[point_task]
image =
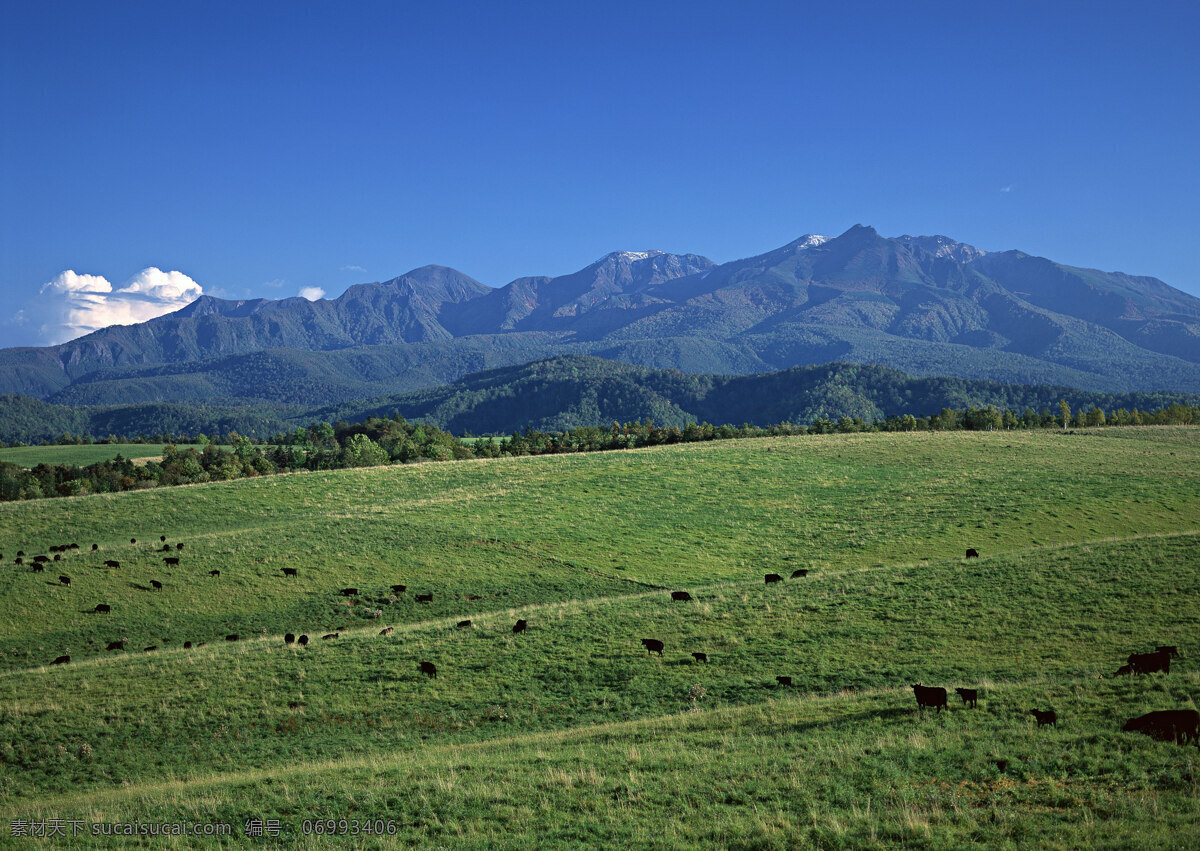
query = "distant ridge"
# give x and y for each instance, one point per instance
(928, 305)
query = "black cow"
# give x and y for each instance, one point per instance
(289, 571)
(166, 548)
(1123, 671)
(179, 546)
(42, 559)
(187, 645)
(115, 645)
(972, 553)
(162, 537)
(328, 636)
(1167, 724)
(799, 572)
(424, 598)
(65, 580)
(930, 696)
(387, 630)
(680, 595)
(652, 645)
(74, 546)
(700, 657)
(111, 563)
(1148, 663)
(19, 560)
(349, 592)
(57, 557)
(20, 552)
(520, 626)
(399, 589)
(155, 584)
(1170, 649)
(462, 624)
(784, 681)
(232, 637)
(429, 669)
(102, 608)
(968, 695)
(95, 547)
(38, 568)
(1044, 717)
(61, 660)
(171, 560)
(772, 577)
(214, 573)
(289, 639)
(302, 640)
(133, 540)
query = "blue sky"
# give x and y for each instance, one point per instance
(263, 149)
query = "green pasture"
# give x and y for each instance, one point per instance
(571, 733)
(83, 455)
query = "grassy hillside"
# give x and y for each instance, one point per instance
(571, 733)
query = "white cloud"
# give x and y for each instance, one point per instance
(274, 284)
(1006, 188)
(354, 269)
(312, 293)
(72, 305)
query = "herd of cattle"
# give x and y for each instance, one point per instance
(1179, 725)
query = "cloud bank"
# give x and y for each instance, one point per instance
(72, 305)
(312, 293)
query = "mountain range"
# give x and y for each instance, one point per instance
(929, 306)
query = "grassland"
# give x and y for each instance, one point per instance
(571, 733)
(83, 455)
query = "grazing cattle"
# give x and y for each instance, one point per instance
(652, 645)
(349, 592)
(387, 630)
(74, 546)
(1123, 670)
(424, 598)
(171, 560)
(1148, 663)
(61, 660)
(972, 553)
(166, 548)
(115, 645)
(231, 637)
(41, 559)
(680, 595)
(57, 557)
(65, 580)
(399, 589)
(162, 537)
(155, 584)
(102, 608)
(95, 547)
(179, 546)
(133, 540)
(1170, 649)
(214, 573)
(428, 668)
(700, 657)
(520, 626)
(20, 552)
(38, 568)
(968, 695)
(772, 577)
(463, 624)
(930, 696)
(799, 572)
(1044, 717)
(302, 640)
(289, 639)
(1168, 724)
(784, 681)
(289, 571)
(187, 645)
(328, 636)
(111, 563)
(151, 648)
(19, 560)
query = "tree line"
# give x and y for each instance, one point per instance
(394, 440)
